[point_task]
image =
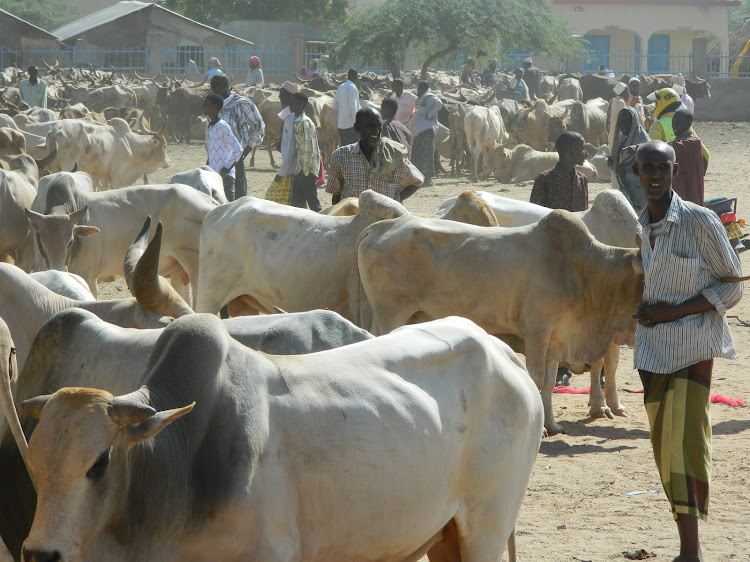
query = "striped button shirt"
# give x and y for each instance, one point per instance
(689, 257)
(222, 147)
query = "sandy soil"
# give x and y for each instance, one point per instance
(576, 507)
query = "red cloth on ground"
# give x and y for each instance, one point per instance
(688, 183)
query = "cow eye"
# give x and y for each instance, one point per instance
(97, 470)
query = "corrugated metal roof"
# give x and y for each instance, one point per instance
(275, 34)
(24, 22)
(119, 10)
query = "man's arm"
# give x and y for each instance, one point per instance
(539, 191)
(434, 109)
(409, 177)
(255, 125)
(335, 183)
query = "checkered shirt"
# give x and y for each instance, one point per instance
(222, 147)
(243, 117)
(349, 175)
(308, 154)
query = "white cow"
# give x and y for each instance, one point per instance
(570, 89)
(274, 456)
(17, 191)
(205, 180)
(484, 128)
(63, 283)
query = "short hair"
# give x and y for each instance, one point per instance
(567, 139)
(423, 84)
(220, 78)
(389, 105)
(655, 146)
(352, 73)
(398, 81)
(32, 67)
(683, 112)
(301, 98)
(215, 100)
(366, 113)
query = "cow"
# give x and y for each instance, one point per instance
(12, 142)
(268, 110)
(588, 119)
(33, 141)
(523, 163)
(599, 160)
(68, 229)
(596, 86)
(17, 191)
(484, 127)
(548, 85)
(112, 154)
(530, 125)
(610, 219)
(453, 481)
(550, 285)
(179, 105)
(63, 283)
(99, 98)
(570, 89)
(257, 252)
(329, 131)
(205, 180)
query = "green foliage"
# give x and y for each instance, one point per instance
(214, 12)
(738, 13)
(47, 14)
(440, 28)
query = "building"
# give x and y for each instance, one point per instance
(649, 36)
(19, 40)
(164, 40)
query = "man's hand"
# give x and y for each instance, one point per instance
(224, 171)
(650, 315)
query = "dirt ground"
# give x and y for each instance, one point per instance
(576, 507)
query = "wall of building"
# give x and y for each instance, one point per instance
(728, 101)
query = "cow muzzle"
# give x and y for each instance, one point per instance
(30, 555)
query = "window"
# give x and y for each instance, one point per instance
(597, 53)
(658, 54)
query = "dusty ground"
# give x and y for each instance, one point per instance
(576, 507)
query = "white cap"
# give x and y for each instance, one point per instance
(620, 88)
(679, 80)
(679, 89)
(527, 59)
(634, 79)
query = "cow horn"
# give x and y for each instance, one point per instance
(44, 163)
(34, 406)
(134, 253)
(123, 411)
(79, 215)
(278, 310)
(150, 290)
(75, 168)
(169, 83)
(44, 62)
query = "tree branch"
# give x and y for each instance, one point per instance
(452, 46)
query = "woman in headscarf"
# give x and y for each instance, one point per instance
(213, 70)
(255, 74)
(628, 133)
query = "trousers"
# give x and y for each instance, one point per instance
(240, 180)
(228, 187)
(304, 191)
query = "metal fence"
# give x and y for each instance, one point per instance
(310, 55)
(125, 60)
(737, 67)
(233, 61)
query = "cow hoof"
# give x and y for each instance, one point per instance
(553, 428)
(620, 411)
(601, 412)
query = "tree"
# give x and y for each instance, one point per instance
(214, 12)
(441, 28)
(46, 14)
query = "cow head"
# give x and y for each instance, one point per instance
(57, 236)
(499, 162)
(79, 455)
(557, 126)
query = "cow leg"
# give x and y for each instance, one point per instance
(446, 549)
(597, 407)
(611, 361)
(252, 156)
(474, 164)
(269, 147)
(489, 528)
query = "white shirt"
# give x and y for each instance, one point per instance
(35, 95)
(222, 146)
(407, 103)
(347, 102)
(288, 144)
(254, 77)
(690, 255)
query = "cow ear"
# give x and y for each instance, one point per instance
(638, 241)
(34, 406)
(147, 429)
(84, 231)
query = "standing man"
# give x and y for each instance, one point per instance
(681, 327)
(620, 101)
(255, 73)
(634, 86)
(34, 89)
(346, 102)
(307, 165)
(288, 142)
(392, 128)
(222, 146)
(407, 102)
(247, 125)
(489, 74)
(691, 156)
(681, 90)
(372, 163)
(667, 102)
(532, 76)
(468, 73)
(425, 126)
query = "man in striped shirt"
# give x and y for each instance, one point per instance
(223, 148)
(688, 266)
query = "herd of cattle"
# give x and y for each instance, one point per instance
(301, 436)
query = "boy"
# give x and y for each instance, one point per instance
(681, 327)
(304, 189)
(223, 148)
(564, 187)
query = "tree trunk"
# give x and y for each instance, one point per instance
(392, 63)
(452, 46)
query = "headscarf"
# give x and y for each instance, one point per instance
(636, 135)
(386, 157)
(679, 80)
(255, 61)
(213, 62)
(634, 79)
(290, 87)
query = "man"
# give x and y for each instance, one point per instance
(604, 71)
(667, 102)
(681, 327)
(489, 74)
(372, 163)
(213, 70)
(679, 87)
(564, 187)
(288, 141)
(691, 156)
(392, 128)
(34, 89)
(407, 102)
(247, 125)
(517, 89)
(532, 76)
(255, 73)
(346, 101)
(468, 74)
(634, 86)
(307, 160)
(223, 148)
(620, 101)
(424, 128)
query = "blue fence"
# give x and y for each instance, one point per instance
(310, 56)
(126, 60)
(233, 61)
(737, 67)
